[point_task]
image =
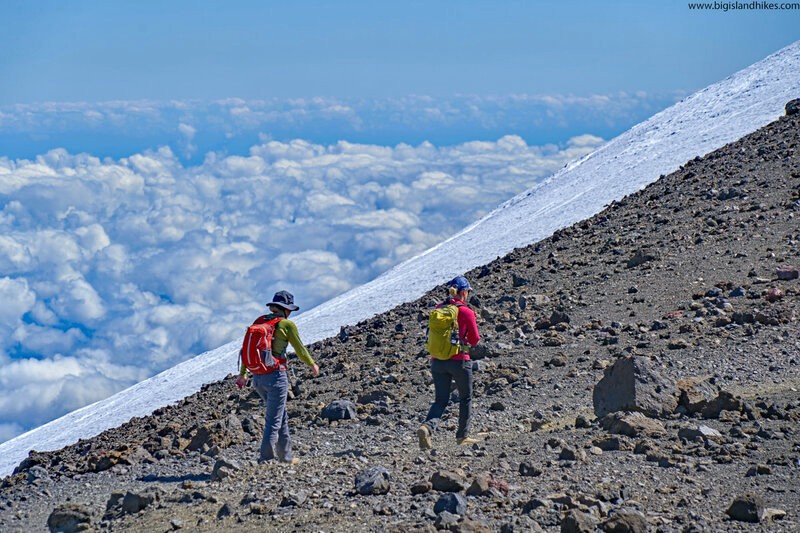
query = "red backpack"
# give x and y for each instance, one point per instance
(256, 350)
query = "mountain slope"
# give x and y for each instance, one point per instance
(695, 277)
(708, 119)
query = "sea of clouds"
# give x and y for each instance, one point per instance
(115, 268)
(232, 125)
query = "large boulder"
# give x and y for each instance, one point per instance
(69, 517)
(747, 507)
(634, 383)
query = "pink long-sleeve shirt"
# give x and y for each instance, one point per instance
(467, 327)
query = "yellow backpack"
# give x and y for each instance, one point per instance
(443, 342)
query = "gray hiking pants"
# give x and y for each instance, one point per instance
(444, 373)
(273, 388)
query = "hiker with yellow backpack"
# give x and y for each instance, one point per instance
(452, 329)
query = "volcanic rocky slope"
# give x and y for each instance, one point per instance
(638, 372)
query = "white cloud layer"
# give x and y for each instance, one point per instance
(193, 128)
(113, 270)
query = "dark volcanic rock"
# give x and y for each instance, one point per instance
(133, 502)
(224, 468)
(69, 517)
(447, 481)
(578, 522)
(626, 521)
(725, 401)
(634, 384)
(747, 507)
(452, 503)
(374, 480)
(695, 393)
(787, 273)
(480, 486)
(792, 107)
(339, 410)
(632, 425)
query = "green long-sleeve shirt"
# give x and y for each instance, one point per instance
(286, 333)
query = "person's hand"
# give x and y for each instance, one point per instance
(241, 381)
(315, 370)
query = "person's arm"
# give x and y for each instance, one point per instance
(241, 381)
(292, 335)
(469, 325)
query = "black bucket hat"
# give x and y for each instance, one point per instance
(284, 299)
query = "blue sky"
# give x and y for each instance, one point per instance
(166, 166)
(201, 49)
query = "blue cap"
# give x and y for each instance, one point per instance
(460, 283)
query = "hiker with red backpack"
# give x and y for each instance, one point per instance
(452, 329)
(264, 356)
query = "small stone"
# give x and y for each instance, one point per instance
(480, 485)
(773, 514)
(448, 481)
(678, 344)
(446, 520)
(294, 498)
(374, 480)
(36, 473)
(224, 511)
(339, 410)
(569, 453)
(774, 294)
(626, 521)
(497, 406)
(576, 521)
(451, 502)
(421, 488)
(224, 468)
(700, 432)
(759, 470)
(632, 425)
(528, 470)
(787, 273)
(610, 444)
(133, 502)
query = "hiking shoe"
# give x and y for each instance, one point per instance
(467, 440)
(424, 436)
